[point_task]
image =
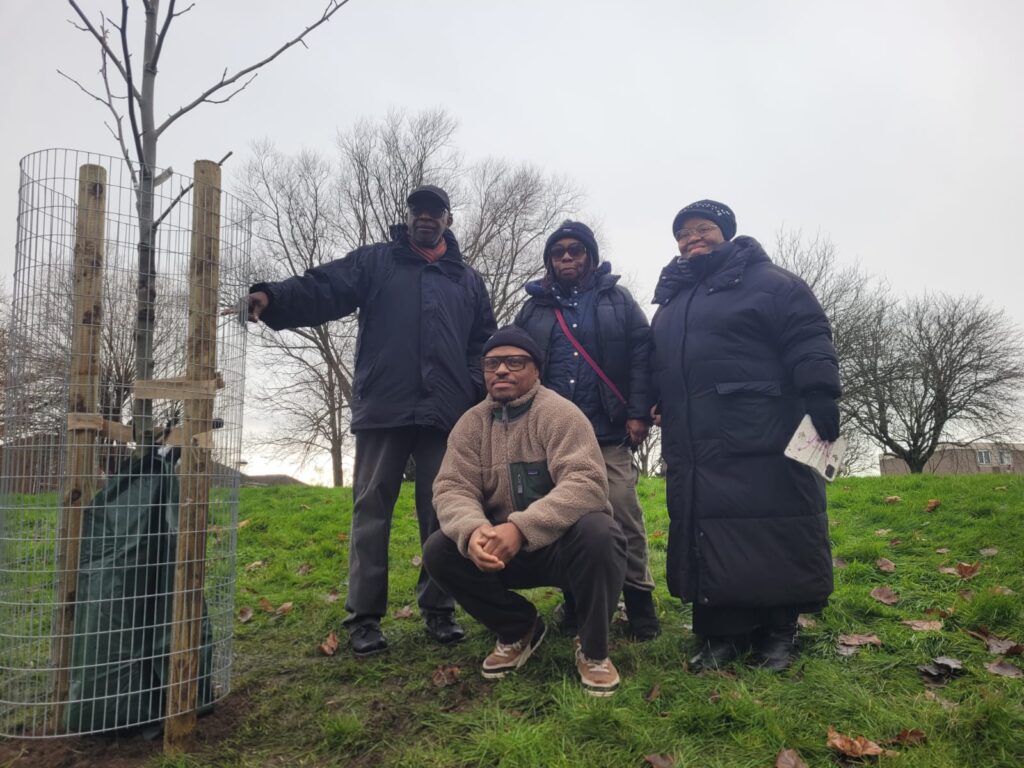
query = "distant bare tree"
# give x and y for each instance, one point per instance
(296, 222)
(647, 456)
(509, 212)
(937, 369)
(850, 298)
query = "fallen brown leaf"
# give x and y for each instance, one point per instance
(255, 564)
(715, 696)
(405, 612)
(654, 693)
(330, 645)
(1000, 646)
(966, 594)
(922, 625)
(885, 595)
(284, 609)
(789, 758)
(266, 605)
(332, 596)
(895, 542)
(968, 570)
(953, 665)
(806, 622)
(949, 569)
(908, 738)
(304, 569)
(942, 613)
(342, 536)
(244, 614)
(942, 551)
(657, 535)
(838, 562)
(932, 505)
(851, 747)
(243, 523)
(848, 645)
(883, 531)
(989, 551)
(417, 561)
(1002, 590)
(660, 761)
(893, 499)
(1000, 488)
(445, 675)
(1004, 668)
(885, 564)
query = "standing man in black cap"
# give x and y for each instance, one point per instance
(596, 352)
(424, 316)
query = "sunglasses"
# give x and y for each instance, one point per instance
(512, 362)
(576, 250)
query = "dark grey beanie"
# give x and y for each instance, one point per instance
(720, 213)
(579, 231)
(514, 336)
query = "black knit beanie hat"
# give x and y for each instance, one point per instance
(720, 213)
(579, 231)
(514, 336)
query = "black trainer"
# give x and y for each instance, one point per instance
(444, 629)
(367, 639)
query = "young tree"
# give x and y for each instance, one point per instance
(938, 369)
(130, 92)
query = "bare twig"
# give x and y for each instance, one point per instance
(119, 135)
(136, 134)
(171, 14)
(333, 7)
(102, 40)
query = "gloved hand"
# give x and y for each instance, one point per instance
(824, 412)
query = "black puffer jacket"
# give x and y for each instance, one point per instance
(422, 328)
(738, 341)
(623, 345)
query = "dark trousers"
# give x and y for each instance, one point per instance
(589, 560)
(381, 456)
(718, 621)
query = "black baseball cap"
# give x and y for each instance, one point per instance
(429, 192)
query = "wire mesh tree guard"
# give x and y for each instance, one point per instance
(119, 447)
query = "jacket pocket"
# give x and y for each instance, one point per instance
(750, 417)
(530, 481)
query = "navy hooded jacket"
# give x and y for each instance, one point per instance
(422, 328)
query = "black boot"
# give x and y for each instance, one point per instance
(717, 651)
(775, 647)
(643, 618)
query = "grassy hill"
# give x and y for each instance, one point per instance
(291, 706)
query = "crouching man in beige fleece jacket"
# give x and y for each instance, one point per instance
(522, 500)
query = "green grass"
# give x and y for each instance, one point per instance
(298, 708)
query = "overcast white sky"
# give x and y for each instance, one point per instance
(895, 128)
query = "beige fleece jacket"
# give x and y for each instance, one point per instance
(490, 442)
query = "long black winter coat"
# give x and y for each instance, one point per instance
(623, 345)
(738, 341)
(422, 328)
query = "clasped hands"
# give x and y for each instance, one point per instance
(491, 547)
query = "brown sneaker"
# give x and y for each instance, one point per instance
(507, 657)
(599, 676)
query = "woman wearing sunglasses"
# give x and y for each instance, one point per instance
(595, 341)
(742, 350)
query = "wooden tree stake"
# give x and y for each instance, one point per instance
(83, 396)
(195, 472)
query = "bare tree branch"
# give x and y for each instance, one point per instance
(102, 40)
(128, 77)
(333, 7)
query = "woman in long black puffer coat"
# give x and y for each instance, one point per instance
(742, 350)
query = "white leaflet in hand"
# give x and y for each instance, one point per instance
(807, 447)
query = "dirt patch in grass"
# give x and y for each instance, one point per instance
(121, 750)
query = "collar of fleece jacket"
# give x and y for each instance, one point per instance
(514, 408)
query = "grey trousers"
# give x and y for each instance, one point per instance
(626, 510)
(588, 559)
(381, 456)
